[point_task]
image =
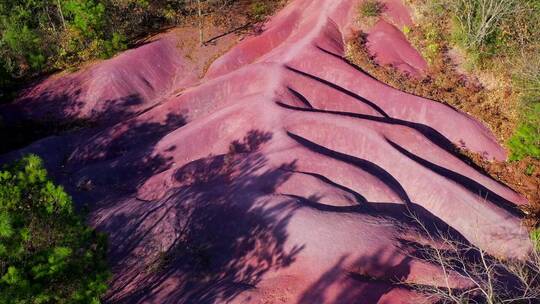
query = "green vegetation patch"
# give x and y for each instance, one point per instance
(503, 35)
(44, 35)
(526, 140)
(371, 8)
(497, 37)
(47, 253)
(259, 10)
(535, 237)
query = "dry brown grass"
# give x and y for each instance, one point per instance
(444, 84)
(523, 176)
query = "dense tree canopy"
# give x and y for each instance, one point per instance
(38, 36)
(48, 34)
(47, 253)
(44, 35)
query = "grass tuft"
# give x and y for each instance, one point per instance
(371, 8)
(535, 237)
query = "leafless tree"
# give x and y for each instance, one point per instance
(492, 280)
(479, 18)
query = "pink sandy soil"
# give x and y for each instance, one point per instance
(285, 175)
(390, 47)
(386, 41)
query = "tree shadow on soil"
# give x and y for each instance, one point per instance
(367, 281)
(215, 236)
(55, 114)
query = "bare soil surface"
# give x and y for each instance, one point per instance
(280, 173)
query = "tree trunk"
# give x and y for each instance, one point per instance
(201, 36)
(61, 14)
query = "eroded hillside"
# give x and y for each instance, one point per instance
(284, 175)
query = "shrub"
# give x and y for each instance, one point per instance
(259, 10)
(371, 8)
(113, 46)
(480, 19)
(47, 254)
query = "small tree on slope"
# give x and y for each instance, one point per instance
(47, 253)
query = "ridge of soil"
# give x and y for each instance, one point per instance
(445, 84)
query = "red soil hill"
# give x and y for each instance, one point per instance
(286, 175)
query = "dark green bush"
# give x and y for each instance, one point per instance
(44, 35)
(47, 253)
